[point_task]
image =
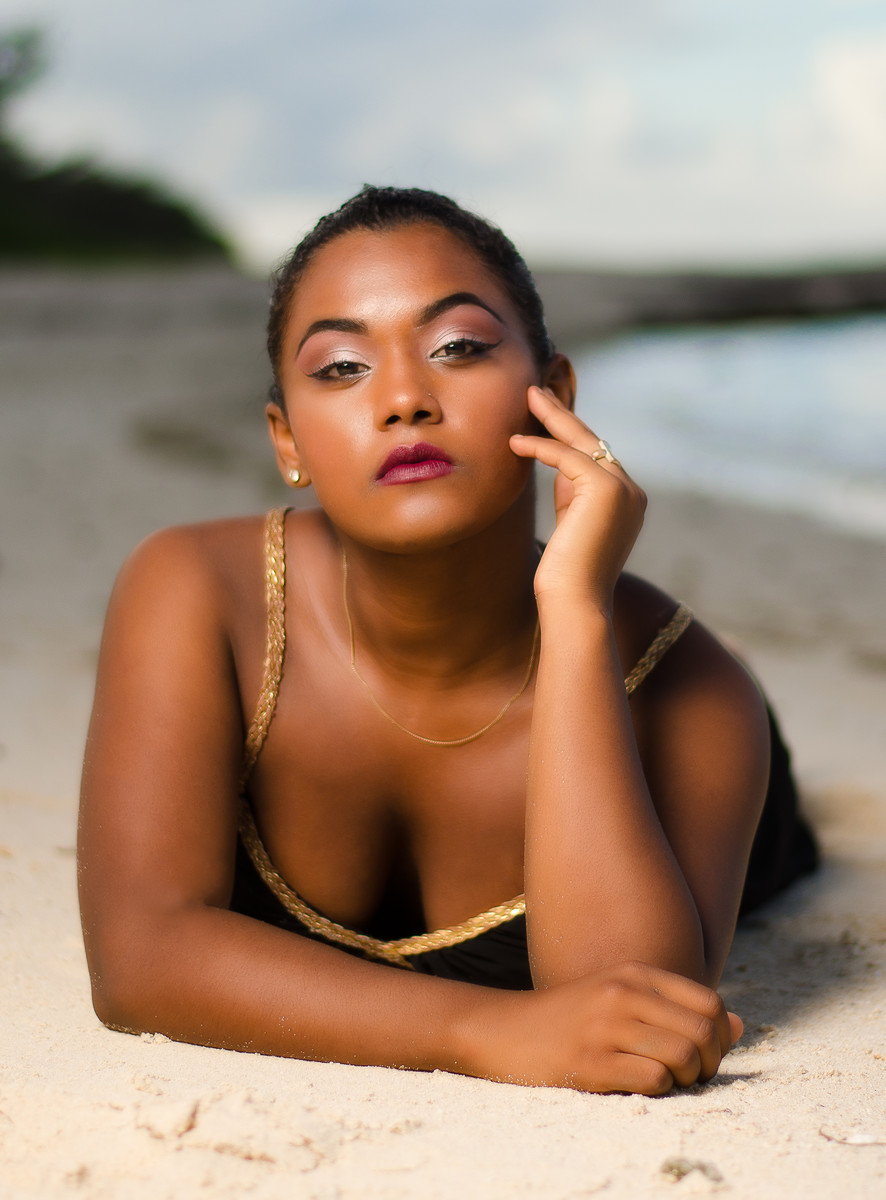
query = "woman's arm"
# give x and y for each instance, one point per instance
(156, 852)
(611, 875)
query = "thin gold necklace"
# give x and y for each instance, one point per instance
(462, 741)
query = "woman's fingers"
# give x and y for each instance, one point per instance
(570, 460)
(686, 1044)
(582, 472)
(630, 1028)
(565, 426)
(736, 1025)
(599, 507)
(572, 449)
(693, 998)
(680, 1027)
(635, 1074)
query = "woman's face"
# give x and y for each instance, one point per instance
(404, 370)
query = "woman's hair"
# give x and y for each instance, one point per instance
(380, 208)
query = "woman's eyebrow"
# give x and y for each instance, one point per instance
(337, 324)
(434, 310)
(443, 305)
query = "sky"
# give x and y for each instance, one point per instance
(611, 133)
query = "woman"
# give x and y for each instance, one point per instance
(463, 842)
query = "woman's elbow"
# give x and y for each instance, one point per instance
(113, 1010)
(130, 976)
(120, 998)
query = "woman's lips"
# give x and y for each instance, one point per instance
(414, 464)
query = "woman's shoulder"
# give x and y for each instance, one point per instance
(205, 559)
(209, 572)
(696, 660)
(641, 611)
(204, 545)
(190, 599)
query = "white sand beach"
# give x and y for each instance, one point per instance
(135, 401)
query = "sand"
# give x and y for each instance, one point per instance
(132, 402)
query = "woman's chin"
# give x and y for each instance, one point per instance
(428, 527)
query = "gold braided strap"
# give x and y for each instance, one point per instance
(275, 593)
(398, 951)
(662, 642)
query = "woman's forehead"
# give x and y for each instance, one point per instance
(407, 267)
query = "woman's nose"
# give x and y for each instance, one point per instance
(405, 396)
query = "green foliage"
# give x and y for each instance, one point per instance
(74, 211)
(22, 60)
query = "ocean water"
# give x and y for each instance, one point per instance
(790, 415)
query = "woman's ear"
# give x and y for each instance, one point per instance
(560, 378)
(288, 458)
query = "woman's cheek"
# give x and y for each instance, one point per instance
(327, 447)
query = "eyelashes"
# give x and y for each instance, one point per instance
(339, 368)
(464, 347)
(454, 349)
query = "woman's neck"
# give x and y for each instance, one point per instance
(462, 611)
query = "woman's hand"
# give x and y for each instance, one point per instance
(630, 1028)
(599, 507)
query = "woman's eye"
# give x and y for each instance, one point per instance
(340, 369)
(462, 348)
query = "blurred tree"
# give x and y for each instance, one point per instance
(75, 211)
(22, 60)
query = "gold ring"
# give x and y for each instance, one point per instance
(605, 451)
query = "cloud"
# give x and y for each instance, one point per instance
(800, 178)
(654, 130)
(851, 94)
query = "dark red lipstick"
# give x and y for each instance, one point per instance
(414, 464)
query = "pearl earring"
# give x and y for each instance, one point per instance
(294, 476)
